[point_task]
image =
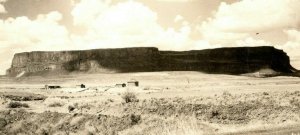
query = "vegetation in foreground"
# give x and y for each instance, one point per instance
(167, 116)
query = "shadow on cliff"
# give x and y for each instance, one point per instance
(233, 61)
(114, 60)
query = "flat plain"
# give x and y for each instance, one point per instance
(163, 103)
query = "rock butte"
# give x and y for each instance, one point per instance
(235, 60)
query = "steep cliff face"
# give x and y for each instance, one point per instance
(222, 60)
(98, 60)
(236, 60)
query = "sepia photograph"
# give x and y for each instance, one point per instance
(149, 67)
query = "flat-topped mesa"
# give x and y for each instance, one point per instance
(97, 60)
(237, 60)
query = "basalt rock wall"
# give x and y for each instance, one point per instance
(221, 60)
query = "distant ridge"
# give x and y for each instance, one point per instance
(233, 60)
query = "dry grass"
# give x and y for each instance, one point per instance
(56, 104)
(183, 126)
(135, 119)
(17, 105)
(129, 97)
(156, 125)
(224, 113)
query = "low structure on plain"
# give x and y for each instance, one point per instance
(133, 83)
(121, 85)
(52, 87)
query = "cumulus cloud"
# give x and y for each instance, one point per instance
(22, 34)
(293, 35)
(2, 9)
(178, 18)
(43, 32)
(116, 25)
(236, 21)
(216, 35)
(292, 46)
(85, 11)
(235, 24)
(107, 25)
(293, 43)
(250, 41)
(126, 24)
(257, 15)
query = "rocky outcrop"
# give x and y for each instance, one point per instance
(237, 60)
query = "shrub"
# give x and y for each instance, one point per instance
(129, 97)
(64, 97)
(110, 100)
(3, 123)
(84, 106)
(147, 88)
(265, 93)
(135, 119)
(17, 105)
(56, 104)
(227, 94)
(295, 102)
(71, 108)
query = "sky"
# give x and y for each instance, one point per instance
(54, 25)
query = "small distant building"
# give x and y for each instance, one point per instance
(52, 87)
(81, 86)
(133, 83)
(121, 85)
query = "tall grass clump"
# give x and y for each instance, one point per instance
(129, 97)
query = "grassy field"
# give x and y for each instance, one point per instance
(167, 103)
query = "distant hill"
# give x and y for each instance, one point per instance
(236, 60)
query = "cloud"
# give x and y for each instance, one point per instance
(293, 35)
(215, 35)
(292, 46)
(178, 18)
(235, 24)
(126, 24)
(109, 24)
(115, 25)
(86, 10)
(250, 41)
(106, 25)
(2, 9)
(237, 21)
(22, 34)
(293, 43)
(257, 15)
